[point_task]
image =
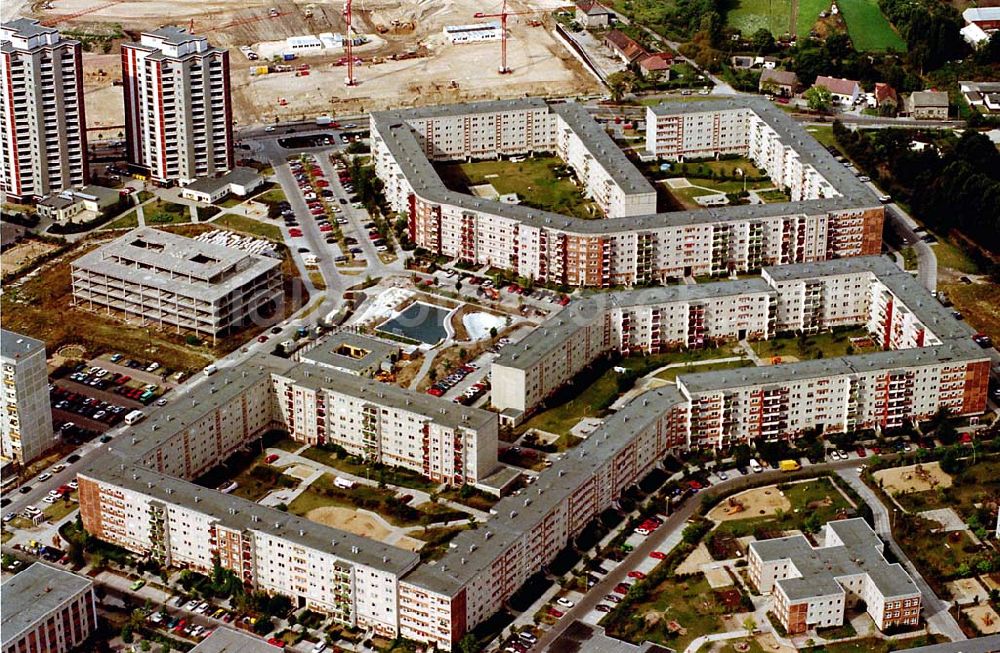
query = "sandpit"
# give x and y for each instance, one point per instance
(349, 520)
(985, 618)
(757, 502)
(967, 590)
(301, 472)
(911, 479)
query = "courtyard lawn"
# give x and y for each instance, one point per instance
(672, 373)
(690, 602)
(353, 465)
(817, 498)
(773, 196)
(160, 212)
(594, 400)
(249, 226)
(821, 345)
(535, 180)
(868, 28)
(128, 221)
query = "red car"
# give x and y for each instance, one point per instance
(659, 555)
(435, 392)
(270, 459)
(261, 338)
(555, 613)
(861, 452)
(180, 625)
(322, 183)
(280, 643)
(326, 228)
(564, 301)
(636, 574)
(694, 485)
(621, 588)
(295, 233)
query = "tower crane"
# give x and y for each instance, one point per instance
(504, 70)
(349, 45)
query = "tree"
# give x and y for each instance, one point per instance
(620, 84)
(819, 98)
(468, 644)
(749, 625)
(762, 41)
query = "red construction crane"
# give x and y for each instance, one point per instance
(504, 70)
(349, 45)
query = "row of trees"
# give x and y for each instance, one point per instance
(954, 185)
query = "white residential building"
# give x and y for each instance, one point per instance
(178, 109)
(811, 587)
(43, 129)
(27, 414)
(47, 609)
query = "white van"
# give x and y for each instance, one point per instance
(210, 370)
(134, 416)
(344, 483)
(755, 466)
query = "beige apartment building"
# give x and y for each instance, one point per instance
(811, 587)
(43, 128)
(831, 214)
(178, 109)
(47, 610)
(27, 414)
(155, 277)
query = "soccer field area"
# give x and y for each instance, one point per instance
(869, 28)
(748, 16)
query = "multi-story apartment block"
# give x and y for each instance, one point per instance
(48, 610)
(27, 414)
(383, 423)
(178, 109)
(642, 321)
(831, 216)
(812, 586)
(861, 291)
(43, 131)
(157, 277)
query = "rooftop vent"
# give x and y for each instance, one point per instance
(355, 550)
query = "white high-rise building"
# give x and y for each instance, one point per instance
(27, 415)
(178, 109)
(43, 131)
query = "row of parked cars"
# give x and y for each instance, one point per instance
(89, 407)
(451, 380)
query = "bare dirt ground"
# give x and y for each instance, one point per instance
(692, 564)
(23, 254)
(967, 590)
(907, 479)
(408, 543)
(350, 520)
(757, 502)
(440, 72)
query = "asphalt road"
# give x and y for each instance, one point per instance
(677, 520)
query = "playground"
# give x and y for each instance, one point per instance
(913, 478)
(757, 502)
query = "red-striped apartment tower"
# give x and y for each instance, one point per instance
(43, 139)
(178, 109)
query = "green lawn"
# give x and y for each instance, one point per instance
(60, 509)
(821, 345)
(951, 256)
(249, 226)
(322, 492)
(748, 16)
(817, 497)
(773, 196)
(160, 212)
(979, 303)
(593, 400)
(672, 373)
(909, 258)
(535, 180)
(128, 221)
(824, 135)
(691, 603)
(868, 27)
(353, 465)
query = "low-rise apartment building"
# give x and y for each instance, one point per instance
(812, 586)
(47, 610)
(831, 216)
(153, 276)
(26, 411)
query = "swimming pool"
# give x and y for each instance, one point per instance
(421, 322)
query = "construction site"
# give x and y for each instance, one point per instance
(401, 55)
